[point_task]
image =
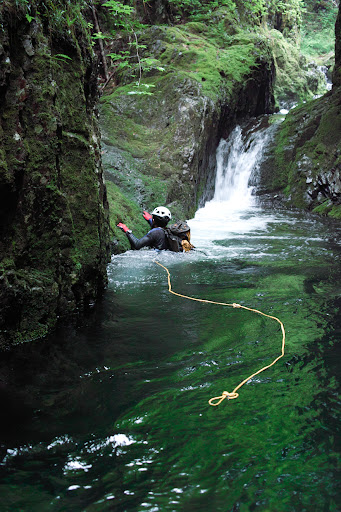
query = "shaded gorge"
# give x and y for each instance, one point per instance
(114, 415)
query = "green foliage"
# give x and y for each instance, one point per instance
(62, 57)
(207, 61)
(290, 10)
(36, 333)
(123, 19)
(335, 212)
(149, 63)
(61, 16)
(318, 31)
(119, 11)
(218, 17)
(296, 81)
(252, 12)
(254, 9)
(199, 10)
(98, 35)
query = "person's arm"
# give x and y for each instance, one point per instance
(135, 243)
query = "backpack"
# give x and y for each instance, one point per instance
(178, 236)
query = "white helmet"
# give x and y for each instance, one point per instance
(162, 212)
(162, 215)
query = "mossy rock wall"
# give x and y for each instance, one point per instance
(307, 159)
(305, 164)
(54, 242)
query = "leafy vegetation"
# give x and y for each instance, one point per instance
(317, 34)
(221, 19)
(196, 10)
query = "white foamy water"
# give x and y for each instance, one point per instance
(233, 211)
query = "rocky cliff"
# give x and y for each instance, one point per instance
(305, 165)
(53, 206)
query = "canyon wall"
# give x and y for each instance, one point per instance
(54, 231)
(304, 167)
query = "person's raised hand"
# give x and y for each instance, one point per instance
(147, 216)
(123, 227)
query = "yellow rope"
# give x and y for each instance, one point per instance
(225, 394)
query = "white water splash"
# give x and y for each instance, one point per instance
(324, 71)
(232, 210)
(235, 162)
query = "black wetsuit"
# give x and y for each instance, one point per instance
(155, 238)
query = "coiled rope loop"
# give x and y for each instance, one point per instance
(225, 394)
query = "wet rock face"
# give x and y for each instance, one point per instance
(306, 158)
(53, 208)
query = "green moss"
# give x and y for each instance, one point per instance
(279, 178)
(5, 175)
(141, 162)
(295, 80)
(49, 158)
(197, 54)
(335, 212)
(306, 149)
(6, 263)
(196, 27)
(18, 337)
(329, 128)
(212, 66)
(329, 209)
(122, 209)
(286, 191)
(323, 208)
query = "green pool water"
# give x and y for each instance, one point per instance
(114, 415)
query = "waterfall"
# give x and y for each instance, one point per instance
(232, 208)
(238, 159)
(324, 71)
